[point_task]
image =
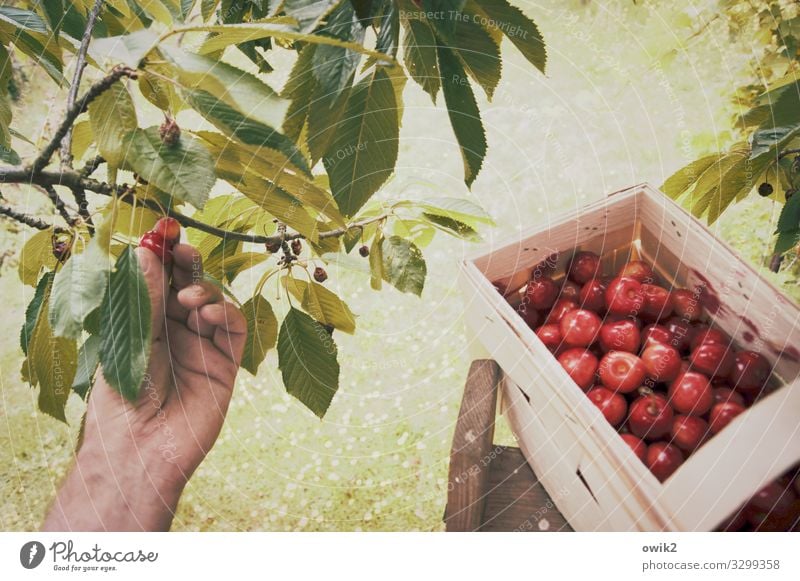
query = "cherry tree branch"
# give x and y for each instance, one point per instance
(80, 65)
(27, 219)
(59, 204)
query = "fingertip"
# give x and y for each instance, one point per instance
(187, 257)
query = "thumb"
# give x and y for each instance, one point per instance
(157, 278)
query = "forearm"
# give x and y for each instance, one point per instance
(112, 494)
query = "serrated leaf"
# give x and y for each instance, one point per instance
(299, 89)
(453, 227)
(36, 254)
(420, 56)
(334, 66)
(376, 262)
(88, 361)
(128, 49)
(403, 265)
(112, 116)
(33, 309)
(478, 52)
(262, 332)
(82, 138)
(233, 266)
(458, 209)
(679, 182)
(125, 327)
(307, 358)
(518, 28)
(465, 117)
(446, 11)
(389, 34)
(184, 169)
(363, 152)
(322, 304)
(789, 219)
(15, 18)
(309, 13)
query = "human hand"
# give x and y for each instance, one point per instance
(136, 457)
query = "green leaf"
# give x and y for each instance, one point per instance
(403, 265)
(376, 262)
(334, 66)
(78, 289)
(325, 114)
(789, 220)
(309, 13)
(184, 169)
(299, 88)
(88, 360)
(479, 53)
(15, 18)
(128, 49)
(307, 358)
(33, 309)
(322, 304)
(207, 8)
(8, 155)
(233, 266)
(125, 327)
(518, 28)
(786, 241)
(457, 209)
(262, 332)
(446, 12)
(363, 152)
(36, 254)
(738, 181)
(679, 182)
(453, 227)
(465, 117)
(112, 116)
(389, 33)
(420, 55)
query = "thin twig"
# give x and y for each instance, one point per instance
(72, 113)
(80, 65)
(27, 219)
(59, 204)
(92, 165)
(786, 152)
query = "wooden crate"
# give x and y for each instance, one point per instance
(591, 474)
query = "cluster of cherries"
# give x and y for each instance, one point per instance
(667, 380)
(162, 238)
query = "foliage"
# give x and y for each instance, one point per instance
(303, 162)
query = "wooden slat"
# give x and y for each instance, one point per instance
(517, 501)
(472, 448)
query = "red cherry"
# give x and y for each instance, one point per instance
(650, 417)
(687, 305)
(155, 244)
(712, 359)
(550, 335)
(750, 372)
(663, 363)
(622, 371)
(528, 314)
(584, 267)
(580, 365)
(639, 270)
(688, 432)
(541, 292)
(657, 302)
(776, 497)
(579, 328)
(624, 296)
(593, 295)
(723, 394)
(705, 334)
(168, 228)
(570, 291)
(663, 459)
(656, 334)
(639, 448)
(622, 335)
(691, 394)
(723, 414)
(612, 405)
(682, 333)
(560, 308)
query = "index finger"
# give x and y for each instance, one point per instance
(187, 266)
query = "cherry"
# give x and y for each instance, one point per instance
(775, 497)
(750, 372)
(593, 295)
(550, 335)
(663, 459)
(639, 270)
(169, 132)
(705, 334)
(275, 246)
(691, 394)
(579, 327)
(624, 296)
(168, 228)
(528, 314)
(297, 247)
(584, 267)
(612, 405)
(542, 292)
(650, 416)
(723, 414)
(155, 244)
(61, 250)
(765, 189)
(656, 334)
(570, 291)
(580, 365)
(320, 275)
(687, 305)
(682, 333)
(364, 251)
(622, 335)
(688, 432)
(639, 448)
(712, 359)
(663, 363)
(622, 371)
(657, 302)
(560, 308)
(723, 394)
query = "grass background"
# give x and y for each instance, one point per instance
(626, 99)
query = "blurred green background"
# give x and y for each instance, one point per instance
(633, 92)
